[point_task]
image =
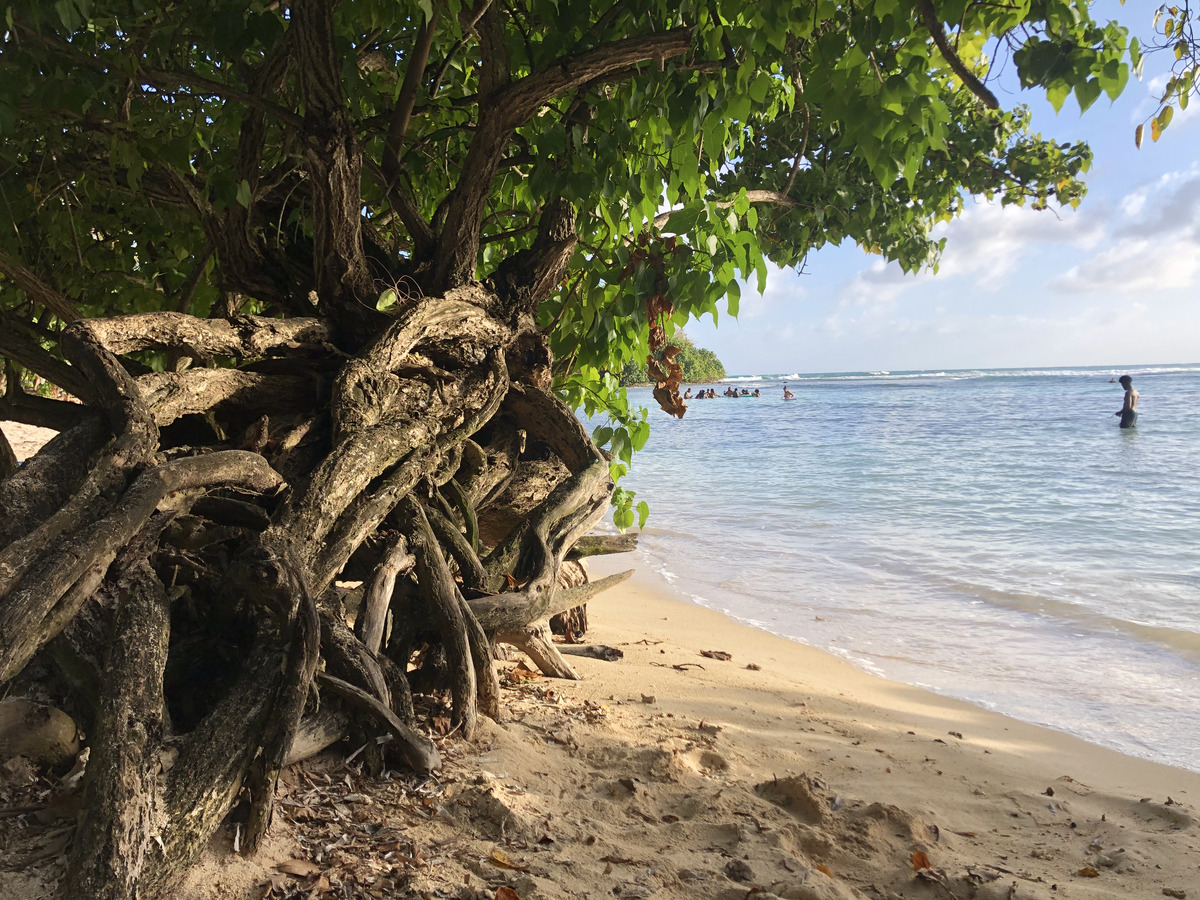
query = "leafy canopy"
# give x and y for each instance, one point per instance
(161, 156)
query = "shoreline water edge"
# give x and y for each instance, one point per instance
(989, 535)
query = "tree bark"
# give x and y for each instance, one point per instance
(447, 614)
(378, 595)
(123, 819)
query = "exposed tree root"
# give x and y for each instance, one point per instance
(173, 580)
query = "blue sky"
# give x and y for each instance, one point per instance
(1116, 282)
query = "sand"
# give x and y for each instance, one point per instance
(26, 440)
(778, 771)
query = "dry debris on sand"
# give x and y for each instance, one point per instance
(637, 796)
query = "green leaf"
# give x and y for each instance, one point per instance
(759, 87)
(387, 300)
(244, 197)
(683, 221)
(1057, 94)
(1086, 93)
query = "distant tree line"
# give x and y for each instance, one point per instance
(699, 364)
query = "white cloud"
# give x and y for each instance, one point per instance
(1133, 203)
(1136, 265)
(989, 241)
(984, 246)
(783, 288)
(1155, 247)
(871, 295)
(1170, 206)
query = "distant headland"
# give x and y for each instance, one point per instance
(699, 365)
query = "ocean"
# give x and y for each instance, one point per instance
(990, 535)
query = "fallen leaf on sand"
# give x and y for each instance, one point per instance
(301, 868)
(500, 859)
(1088, 872)
(520, 674)
(926, 872)
(824, 870)
(507, 893)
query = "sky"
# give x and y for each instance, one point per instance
(1116, 282)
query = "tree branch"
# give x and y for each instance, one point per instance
(938, 33)
(418, 751)
(502, 111)
(527, 277)
(36, 597)
(165, 80)
(245, 337)
(28, 352)
(414, 75)
(38, 290)
(778, 198)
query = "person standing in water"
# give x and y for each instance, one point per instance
(788, 395)
(1128, 410)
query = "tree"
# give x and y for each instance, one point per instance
(327, 280)
(697, 363)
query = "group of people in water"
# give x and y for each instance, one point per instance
(711, 394)
(1127, 412)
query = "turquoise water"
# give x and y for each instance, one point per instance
(990, 535)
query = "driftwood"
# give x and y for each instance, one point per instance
(601, 544)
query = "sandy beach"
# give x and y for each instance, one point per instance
(707, 759)
(780, 771)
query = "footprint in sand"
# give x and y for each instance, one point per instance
(796, 796)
